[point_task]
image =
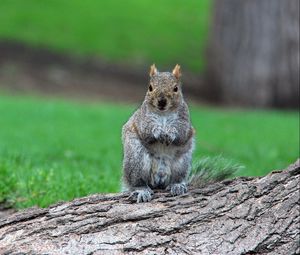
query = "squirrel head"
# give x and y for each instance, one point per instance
(164, 91)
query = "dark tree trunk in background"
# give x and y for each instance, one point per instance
(254, 52)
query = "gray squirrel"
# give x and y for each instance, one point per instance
(158, 139)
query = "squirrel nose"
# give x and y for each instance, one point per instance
(162, 102)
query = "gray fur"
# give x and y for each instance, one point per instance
(178, 189)
(158, 144)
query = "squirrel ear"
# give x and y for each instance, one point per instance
(176, 71)
(153, 70)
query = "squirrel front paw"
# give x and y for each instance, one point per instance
(142, 195)
(167, 138)
(178, 189)
(170, 135)
(150, 140)
(156, 131)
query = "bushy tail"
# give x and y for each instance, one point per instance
(210, 170)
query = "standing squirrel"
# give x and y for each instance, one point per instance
(158, 139)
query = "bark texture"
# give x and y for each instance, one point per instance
(240, 216)
(254, 52)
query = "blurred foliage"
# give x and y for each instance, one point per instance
(53, 150)
(131, 31)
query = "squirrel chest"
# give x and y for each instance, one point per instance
(163, 124)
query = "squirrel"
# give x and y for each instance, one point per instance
(158, 139)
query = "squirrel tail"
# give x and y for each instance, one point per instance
(210, 170)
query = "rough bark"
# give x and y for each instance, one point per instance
(254, 52)
(240, 216)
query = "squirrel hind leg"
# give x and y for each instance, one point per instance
(141, 194)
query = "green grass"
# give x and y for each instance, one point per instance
(53, 150)
(131, 31)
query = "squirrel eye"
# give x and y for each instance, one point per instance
(150, 88)
(175, 89)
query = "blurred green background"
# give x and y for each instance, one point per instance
(55, 145)
(132, 31)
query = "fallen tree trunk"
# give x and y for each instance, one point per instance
(240, 216)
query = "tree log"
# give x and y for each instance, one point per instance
(240, 216)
